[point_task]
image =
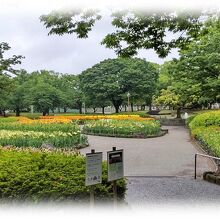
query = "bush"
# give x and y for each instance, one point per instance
(28, 175)
(206, 119)
(209, 137)
(205, 128)
(189, 119)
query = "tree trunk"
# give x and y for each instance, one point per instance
(58, 110)
(94, 110)
(178, 113)
(116, 104)
(44, 113)
(132, 106)
(65, 109)
(17, 112)
(125, 108)
(4, 113)
(150, 107)
(116, 108)
(80, 110)
(103, 110)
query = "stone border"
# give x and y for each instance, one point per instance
(162, 133)
(211, 177)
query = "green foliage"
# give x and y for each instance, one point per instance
(168, 98)
(66, 22)
(196, 75)
(137, 29)
(27, 175)
(209, 137)
(206, 119)
(7, 63)
(189, 119)
(141, 29)
(112, 79)
(123, 128)
(205, 128)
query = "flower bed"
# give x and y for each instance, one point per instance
(34, 175)
(63, 119)
(37, 134)
(123, 128)
(205, 128)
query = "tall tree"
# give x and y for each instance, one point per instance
(6, 70)
(17, 100)
(112, 79)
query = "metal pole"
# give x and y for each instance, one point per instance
(115, 196)
(195, 166)
(115, 193)
(91, 189)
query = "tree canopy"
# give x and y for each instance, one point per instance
(112, 79)
(6, 64)
(134, 29)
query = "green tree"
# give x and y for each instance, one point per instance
(6, 64)
(6, 70)
(17, 100)
(169, 98)
(112, 79)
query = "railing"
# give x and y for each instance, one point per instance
(202, 155)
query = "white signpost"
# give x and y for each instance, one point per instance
(93, 168)
(115, 165)
(93, 172)
(115, 169)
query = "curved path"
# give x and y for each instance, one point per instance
(169, 155)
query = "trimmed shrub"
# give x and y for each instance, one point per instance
(205, 128)
(33, 175)
(206, 119)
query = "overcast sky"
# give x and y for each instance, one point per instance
(65, 54)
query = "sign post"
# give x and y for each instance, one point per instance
(115, 169)
(93, 172)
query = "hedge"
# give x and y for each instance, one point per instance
(206, 119)
(205, 128)
(34, 175)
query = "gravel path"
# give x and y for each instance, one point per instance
(169, 155)
(142, 192)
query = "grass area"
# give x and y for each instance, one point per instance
(33, 175)
(205, 127)
(123, 128)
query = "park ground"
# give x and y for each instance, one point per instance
(161, 170)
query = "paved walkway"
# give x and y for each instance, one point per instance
(169, 155)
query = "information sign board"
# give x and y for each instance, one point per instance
(115, 165)
(93, 168)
